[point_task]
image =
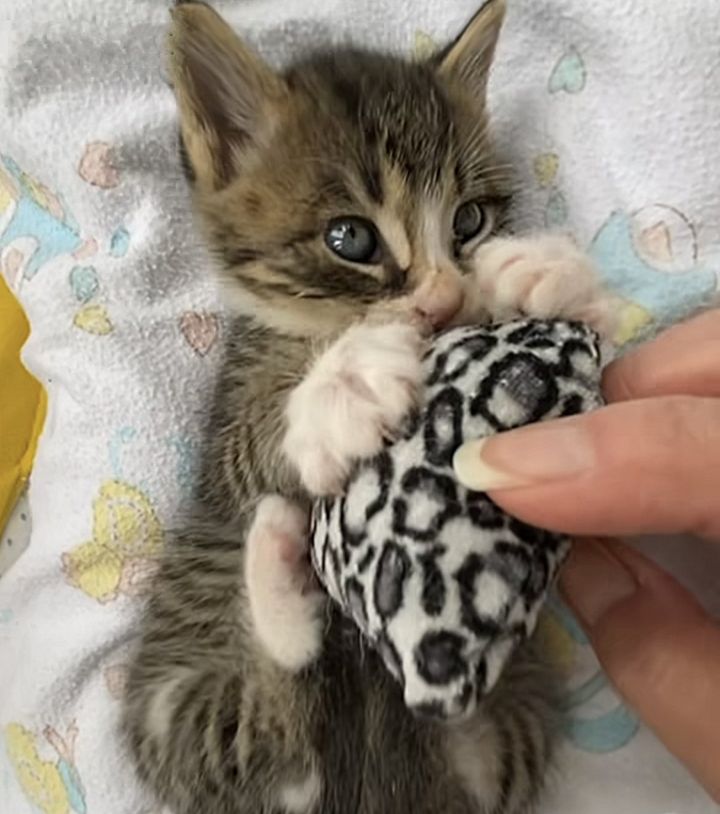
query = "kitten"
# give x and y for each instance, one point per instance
(353, 202)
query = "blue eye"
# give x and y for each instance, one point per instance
(354, 239)
(469, 221)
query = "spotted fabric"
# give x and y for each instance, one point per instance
(442, 582)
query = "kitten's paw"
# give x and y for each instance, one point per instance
(285, 601)
(545, 277)
(355, 396)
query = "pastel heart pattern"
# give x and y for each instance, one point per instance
(545, 167)
(93, 319)
(200, 331)
(84, 283)
(556, 211)
(569, 74)
(96, 166)
(424, 46)
(116, 676)
(120, 242)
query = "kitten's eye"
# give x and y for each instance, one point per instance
(353, 239)
(469, 221)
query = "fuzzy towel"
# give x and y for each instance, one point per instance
(611, 112)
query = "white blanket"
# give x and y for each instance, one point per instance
(611, 111)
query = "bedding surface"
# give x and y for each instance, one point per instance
(611, 114)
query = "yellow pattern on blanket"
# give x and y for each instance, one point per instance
(126, 537)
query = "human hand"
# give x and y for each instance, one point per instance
(647, 463)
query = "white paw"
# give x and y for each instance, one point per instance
(355, 396)
(545, 277)
(285, 602)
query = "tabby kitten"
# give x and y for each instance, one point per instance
(352, 202)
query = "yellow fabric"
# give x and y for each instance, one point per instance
(22, 405)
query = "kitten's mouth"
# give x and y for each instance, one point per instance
(401, 310)
(424, 324)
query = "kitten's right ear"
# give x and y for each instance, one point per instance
(225, 93)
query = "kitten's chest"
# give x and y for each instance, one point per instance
(244, 459)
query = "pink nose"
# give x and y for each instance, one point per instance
(439, 299)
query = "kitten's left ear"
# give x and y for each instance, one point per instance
(467, 60)
(226, 94)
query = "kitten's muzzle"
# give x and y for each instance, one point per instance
(438, 299)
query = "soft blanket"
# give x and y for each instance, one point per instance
(610, 111)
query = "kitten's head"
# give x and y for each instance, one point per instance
(350, 182)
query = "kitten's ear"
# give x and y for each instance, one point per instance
(225, 93)
(469, 57)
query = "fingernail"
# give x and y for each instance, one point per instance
(556, 451)
(593, 581)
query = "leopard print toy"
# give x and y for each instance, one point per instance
(442, 582)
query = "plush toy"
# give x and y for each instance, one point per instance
(442, 582)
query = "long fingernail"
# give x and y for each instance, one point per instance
(593, 581)
(555, 451)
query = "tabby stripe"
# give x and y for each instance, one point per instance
(238, 257)
(532, 751)
(507, 769)
(183, 718)
(227, 723)
(201, 733)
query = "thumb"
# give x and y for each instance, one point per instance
(657, 645)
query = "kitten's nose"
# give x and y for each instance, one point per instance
(439, 298)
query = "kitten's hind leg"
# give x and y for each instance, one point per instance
(503, 755)
(285, 602)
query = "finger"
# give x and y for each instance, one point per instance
(683, 360)
(648, 466)
(657, 645)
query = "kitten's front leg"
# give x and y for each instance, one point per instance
(356, 395)
(545, 276)
(285, 601)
